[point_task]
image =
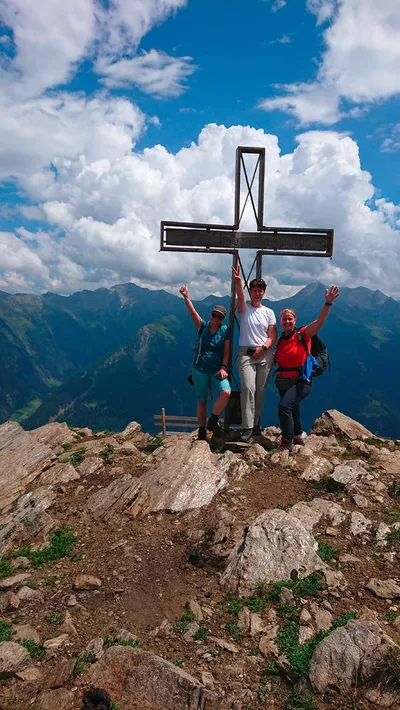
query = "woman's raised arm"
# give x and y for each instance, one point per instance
(313, 328)
(196, 318)
(239, 289)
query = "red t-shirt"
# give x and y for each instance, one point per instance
(292, 353)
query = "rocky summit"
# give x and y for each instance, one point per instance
(180, 574)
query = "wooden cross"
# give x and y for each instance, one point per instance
(228, 239)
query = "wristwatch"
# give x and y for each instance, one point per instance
(264, 347)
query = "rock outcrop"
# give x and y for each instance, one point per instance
(184, 475)
(158, 527)
(334, 422)
(23, 456)
(348, 656)
(275, 545)
(144, 681)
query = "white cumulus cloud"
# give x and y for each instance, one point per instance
(360, 61)
(49, 43)
(35, 133)
(153, 72)
(104, 215)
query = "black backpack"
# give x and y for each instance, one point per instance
(318, 350)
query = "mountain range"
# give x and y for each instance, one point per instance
(103, 358)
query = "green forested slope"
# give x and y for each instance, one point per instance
(149, 369)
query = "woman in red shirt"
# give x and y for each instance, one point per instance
(291, 353)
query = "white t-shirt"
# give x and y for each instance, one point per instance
(254, 324)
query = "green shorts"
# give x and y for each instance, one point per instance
(202, 382)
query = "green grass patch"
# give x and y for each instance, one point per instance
(5, 631)
(342, 621)
(236, 632)
(287, 639)
(32, 584)
(391, 616)
(36, 650)
(325, 551)
(76, 556)
(302, 701)
(201, 633)
(391, 516)
(82, 661)
(153, 444)
(6, 570)
(112, 641)
(49, 580)
(265, 594)
(182, 622)
(180, 662)
(61, 544)
(54, 619)
(379, 443)
(105, 453)
(393, 538)
(77, 456)
(390, 665)
(128, 642)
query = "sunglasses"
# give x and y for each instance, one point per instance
(214, 314)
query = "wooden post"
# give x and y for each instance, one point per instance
(163, 422)
(259, 266)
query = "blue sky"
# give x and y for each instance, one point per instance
(118, 114)
(247, 48)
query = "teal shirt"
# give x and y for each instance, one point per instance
(212, 348)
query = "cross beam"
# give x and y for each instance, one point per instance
(227, 238)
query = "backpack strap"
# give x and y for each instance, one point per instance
(299, 368)
(301, 340)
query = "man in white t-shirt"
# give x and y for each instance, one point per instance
(255, 357)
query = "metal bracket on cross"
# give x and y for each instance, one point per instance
(228, 239)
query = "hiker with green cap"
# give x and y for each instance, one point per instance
(210, 363)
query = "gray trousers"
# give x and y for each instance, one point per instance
(254, 376)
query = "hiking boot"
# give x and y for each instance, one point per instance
(257, 431)
(245, 436)
(202, 434)
(214, 426)
(284, 445)
(299, 441)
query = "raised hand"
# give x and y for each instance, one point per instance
(184, 291)
(331, 294)
(236, 273)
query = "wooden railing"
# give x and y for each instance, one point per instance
(175, 424)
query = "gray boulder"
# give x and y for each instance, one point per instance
(311, 513)
(105, 503)
(317, 468)
(274, 545)
(22, 459)
(384, 588)
(334, 422)
(143, 681)
(348, 656)
(185, 474)
(13, 659)
(349, 474)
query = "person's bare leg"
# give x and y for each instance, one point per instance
(221, 402)
(202, 413)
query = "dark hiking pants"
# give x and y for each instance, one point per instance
(289, 409)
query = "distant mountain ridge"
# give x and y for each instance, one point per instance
(102, 358)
